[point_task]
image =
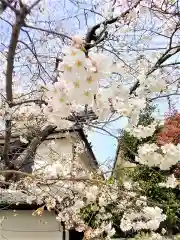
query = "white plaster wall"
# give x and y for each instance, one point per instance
(61, 146)
(21, 225)
(45, 152)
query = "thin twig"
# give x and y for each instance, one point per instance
(164, 96)
(33, 5)
(47, 30)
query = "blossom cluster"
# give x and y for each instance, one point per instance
(77, 83)
(142, 131)
(154, 156)
(22, 115)
(81, 82)
(147, 218)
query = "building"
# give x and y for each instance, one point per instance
(17, 220)
(120, 162)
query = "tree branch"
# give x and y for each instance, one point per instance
(166, 55)
(26, 160)
(9, 74)
(8, 4)
(31, 149)
(92, 32)
(134, 87)
(37, 101)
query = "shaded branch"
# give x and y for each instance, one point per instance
(92, 32)
(134, 87)
(103, 129)
(37, 101)
(26, 160)
(31, 149)
(6, 4)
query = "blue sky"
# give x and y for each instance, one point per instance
(104, 145)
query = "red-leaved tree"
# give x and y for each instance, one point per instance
(170, 133)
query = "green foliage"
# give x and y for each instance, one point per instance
(111, 180)
(88, 213)
(146, 116)
(145, 174)
(148, 180)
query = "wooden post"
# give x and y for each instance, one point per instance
(74, 235)
(64, 231)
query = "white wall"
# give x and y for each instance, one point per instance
(61, 146)
(47, 152)
(24, 226)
